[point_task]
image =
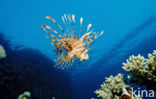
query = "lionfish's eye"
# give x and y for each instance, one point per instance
(83, 50)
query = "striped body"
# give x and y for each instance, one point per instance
(70, 43)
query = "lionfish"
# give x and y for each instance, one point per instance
(70, 45)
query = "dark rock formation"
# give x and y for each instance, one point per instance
(29, 70)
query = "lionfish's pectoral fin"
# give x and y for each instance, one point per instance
(68, 63)
(44, 28)
(48, 27)
(49, 17)
(56, 51)
(71, 60)
(86, 35)
(64, 60)
(93, 37)
(55, 41)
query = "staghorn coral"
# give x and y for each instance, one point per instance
(142, 71)
(112, 87)
(25, 95)
(2, 52)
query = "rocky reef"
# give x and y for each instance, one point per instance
(27, 69)
(142, 70)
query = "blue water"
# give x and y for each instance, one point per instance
(129, 28)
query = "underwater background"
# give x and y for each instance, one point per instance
(129, 28)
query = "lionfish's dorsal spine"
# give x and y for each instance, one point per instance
(65, 21)
(70, 23)
(81, 22)
(74, 25)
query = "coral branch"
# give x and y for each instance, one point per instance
(112, 87)
(142, 71)
(2, 52)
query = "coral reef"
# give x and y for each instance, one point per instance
(112, 87)
(115, 88)
(2, 52)
(53, 97)
(25, 95)
(142, 71)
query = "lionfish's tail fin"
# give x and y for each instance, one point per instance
(49, 17)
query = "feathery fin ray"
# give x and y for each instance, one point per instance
(49, 17)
